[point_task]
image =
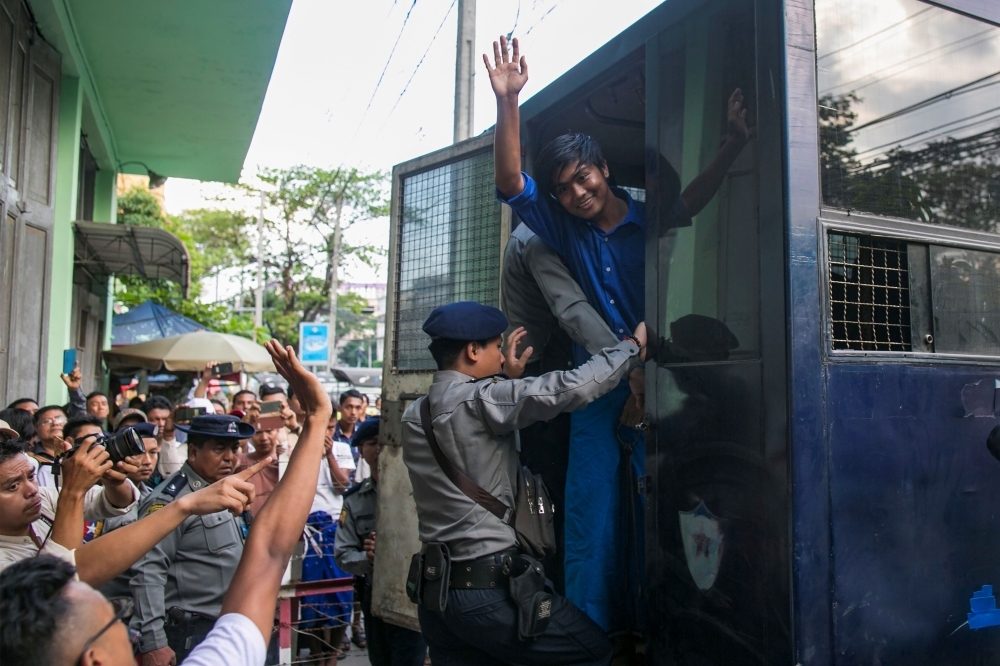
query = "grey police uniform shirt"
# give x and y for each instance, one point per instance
(538, 292)
(474, 423)
(119, 586)
(190, 568)
(357, 521)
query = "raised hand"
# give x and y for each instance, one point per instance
(511, 71)
(512, 365)
(84, 468)
(119, 473)
(74, 379)
(737, 116)
(233, 493)
(312, 396)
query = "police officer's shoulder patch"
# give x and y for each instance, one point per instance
(175, 485)
(153, 508)
(343, 516)
(353, 489)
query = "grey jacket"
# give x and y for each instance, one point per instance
(357, 521)
(191, 567)
(474, 423)
(538, 292)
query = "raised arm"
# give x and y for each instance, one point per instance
(701, 190)
(254, 589)
(507, 78)
(100, 560)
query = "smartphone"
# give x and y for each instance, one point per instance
(270, 407)
(185, 414)
(269, 423)
(222, 369)
(69, 361)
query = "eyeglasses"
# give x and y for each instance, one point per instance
(125, 608)
(59, 420)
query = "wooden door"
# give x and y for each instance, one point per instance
(29, 105)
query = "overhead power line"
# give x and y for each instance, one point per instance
(875, 34)
(382, 75)
(419, 63)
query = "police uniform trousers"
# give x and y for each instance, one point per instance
(604, 552)
(479, 628)
(389, 644)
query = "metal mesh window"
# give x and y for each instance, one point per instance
(449, 249)
(869, 293)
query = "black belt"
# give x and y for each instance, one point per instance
(483, 573)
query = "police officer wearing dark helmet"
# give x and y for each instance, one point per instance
(475, 412)
(178, 586)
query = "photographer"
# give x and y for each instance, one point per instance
(29, 520)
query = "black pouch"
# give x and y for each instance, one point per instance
(436, 577)
(415, 578)
(534, 602)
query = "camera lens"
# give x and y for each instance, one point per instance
(124, 443)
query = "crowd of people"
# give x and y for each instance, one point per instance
(186, 505)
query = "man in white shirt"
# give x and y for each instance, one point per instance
(73, 623)
(173, 453)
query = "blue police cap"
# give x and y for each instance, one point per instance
(217, 426)
(367, 429)
(145, 429)
(465, 320)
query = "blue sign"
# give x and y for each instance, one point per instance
(314, 344)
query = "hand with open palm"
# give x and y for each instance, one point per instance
(511, 70)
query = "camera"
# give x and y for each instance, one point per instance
(120, 445)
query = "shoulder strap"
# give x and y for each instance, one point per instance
(472, 490)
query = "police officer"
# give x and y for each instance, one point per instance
(474, 413)
(179, 585)
(354, 550)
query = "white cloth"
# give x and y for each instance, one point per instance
(233, 641)
(327, 499)
(95, 507)
(362, 472)
(173, 455)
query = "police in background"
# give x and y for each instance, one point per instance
(179, 585)
(354, 549)
(538, 293)
(142, 478)
(474, 413)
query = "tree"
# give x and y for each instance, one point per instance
(214, 240)
(303, 202)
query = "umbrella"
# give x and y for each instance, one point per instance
(191, 352)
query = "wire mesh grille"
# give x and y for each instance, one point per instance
(449, 250)
(869, 293)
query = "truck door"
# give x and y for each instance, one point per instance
(447, 233)
(717, 576)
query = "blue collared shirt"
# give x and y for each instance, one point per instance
(608, 265)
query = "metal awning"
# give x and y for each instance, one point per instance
(124, 249)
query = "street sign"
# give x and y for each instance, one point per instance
(314, 343)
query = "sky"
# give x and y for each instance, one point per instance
(322, 106)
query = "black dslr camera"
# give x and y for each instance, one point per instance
(120, 445)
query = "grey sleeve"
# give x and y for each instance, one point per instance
(517, 403)
(566, 299)
(348, 548)
(77, 403)
(96, 505)
(148, 582)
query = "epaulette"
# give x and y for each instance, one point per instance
(353, 489)
(494, 378)
(174, 486)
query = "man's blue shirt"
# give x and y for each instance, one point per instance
(608, 265)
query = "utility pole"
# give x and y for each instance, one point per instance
(465, 69)
(334, 283)
(258, 317)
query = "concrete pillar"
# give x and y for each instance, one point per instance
(67, 175)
